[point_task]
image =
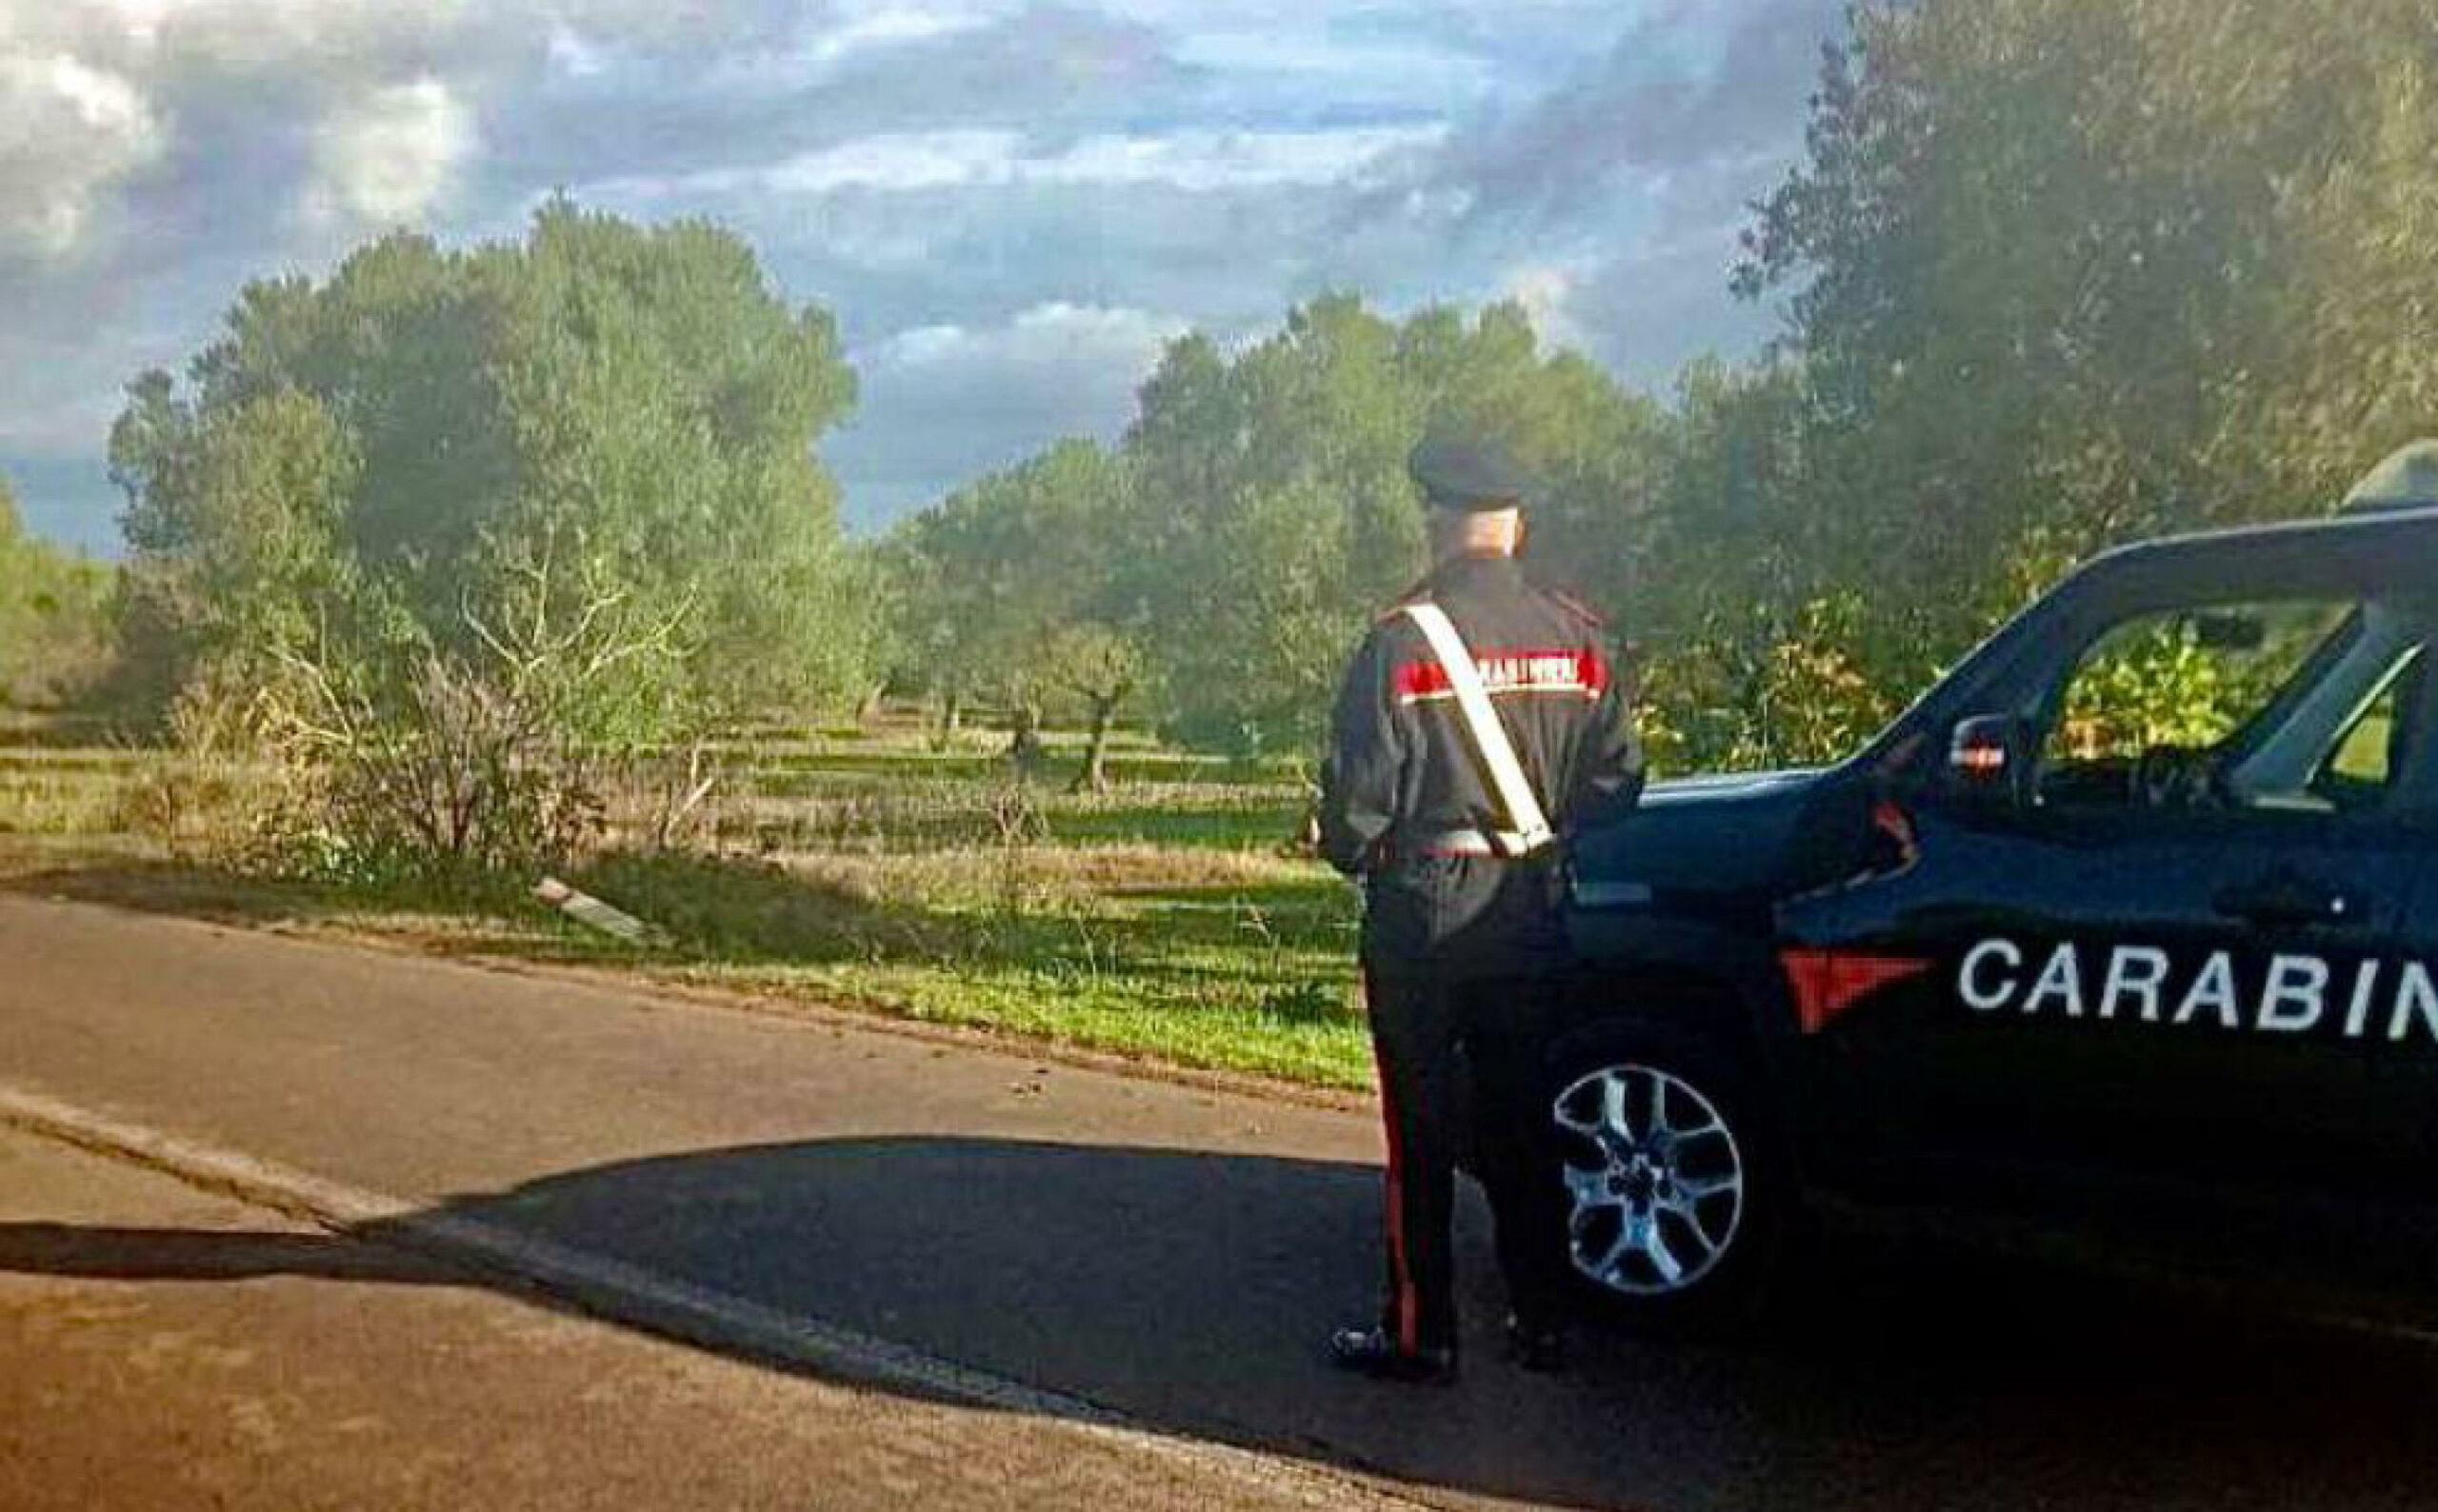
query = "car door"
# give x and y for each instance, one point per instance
(2402, 1100)
(2150, 965)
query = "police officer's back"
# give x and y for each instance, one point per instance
(1460, 930)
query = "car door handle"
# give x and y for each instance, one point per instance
(2286, 901)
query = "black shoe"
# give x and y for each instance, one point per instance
(1536, 1347)
(1372, 1352)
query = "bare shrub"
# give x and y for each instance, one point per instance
(460, 772)
(461, 761)
(663, 800)
(209, 796)
(1018, 825)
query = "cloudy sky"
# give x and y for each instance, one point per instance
(1009, 204)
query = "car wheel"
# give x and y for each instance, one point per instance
(1673, 1206)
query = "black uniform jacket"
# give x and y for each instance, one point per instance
(1402, 775)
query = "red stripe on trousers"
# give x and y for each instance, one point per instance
(1407, 1305)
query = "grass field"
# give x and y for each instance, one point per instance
(1172, 919)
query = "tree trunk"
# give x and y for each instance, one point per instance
(1024, 740)
(951, 718)
(1095, 777)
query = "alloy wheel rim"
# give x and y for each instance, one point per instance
(1656, 1176)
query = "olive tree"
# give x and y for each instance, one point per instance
(497, 508)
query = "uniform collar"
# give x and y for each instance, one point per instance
(1476, 571)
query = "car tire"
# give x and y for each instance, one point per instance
(1676, 1204)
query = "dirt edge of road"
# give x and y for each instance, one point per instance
(554, 1275)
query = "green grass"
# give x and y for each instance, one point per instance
(1244, 977)
(1247, 821)
(1168, 921)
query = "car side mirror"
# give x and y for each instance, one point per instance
(1990, 761)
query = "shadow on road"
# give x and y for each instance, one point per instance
(1191, 1291)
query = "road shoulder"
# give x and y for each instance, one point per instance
(172, 1347)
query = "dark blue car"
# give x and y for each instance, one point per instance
(2135, 913)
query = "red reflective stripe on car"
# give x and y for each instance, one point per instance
(1891, 819)
(1828, 983)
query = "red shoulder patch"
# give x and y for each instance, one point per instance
(1506, 671)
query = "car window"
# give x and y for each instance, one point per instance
(2160, 706)
(2364, 762)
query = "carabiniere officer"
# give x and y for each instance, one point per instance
(1461, 940)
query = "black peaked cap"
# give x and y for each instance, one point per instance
(1471, 476)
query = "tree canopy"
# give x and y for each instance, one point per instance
(2056, 273)
(53, 616)
(2065, 272)
(1257, 513)
(602, 434)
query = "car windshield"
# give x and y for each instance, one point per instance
(2296, 703)
(2200, 679)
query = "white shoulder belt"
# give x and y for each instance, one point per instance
(1528, 826)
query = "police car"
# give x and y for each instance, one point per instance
(2144, 890)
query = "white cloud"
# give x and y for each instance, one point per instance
(893, 26)
(69, 132)
(945, 403)
(914, 160)
(802, 53)
(925, 167)
(1547, 291)
(241, 36)
(389, 158)
(1308, 57)
(1216, 160)
(90, 88)
(1052, 333)
(1191, 160)
(573, 55)
(264, 34)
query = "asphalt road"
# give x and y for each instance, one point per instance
(1171, 1253)
(174, 1349)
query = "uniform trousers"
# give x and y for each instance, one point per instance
(1421, 1020)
